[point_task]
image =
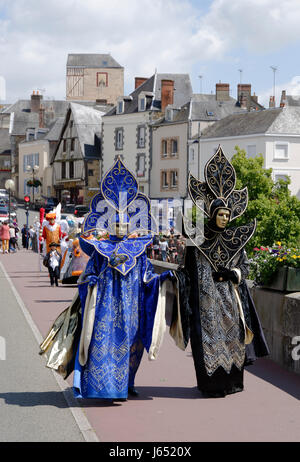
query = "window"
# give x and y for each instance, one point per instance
(174, 178)
(72, 144)
(169, 147)
(164, 180)
(251, 150)
(169, 115)
(64, 145)
(63, 170)
(120, 107)
(164, 148)
(102, 79)
(141, 137)
(119, 138)
(174, 148)
(280, 175)
(141, 165)
(281, 151)
(30, 160)
(90, 172)
(71, 169)
(192, 154)
(142, 104)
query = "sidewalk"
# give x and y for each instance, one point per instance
(169, 407)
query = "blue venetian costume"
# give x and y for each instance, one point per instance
(119, 291)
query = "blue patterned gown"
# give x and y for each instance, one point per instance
(124, 316)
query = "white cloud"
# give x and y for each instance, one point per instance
(292, 88)
(170, 35)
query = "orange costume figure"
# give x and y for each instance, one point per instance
(51, 230)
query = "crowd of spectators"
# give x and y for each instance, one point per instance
(169, 248)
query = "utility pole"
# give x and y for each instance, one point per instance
(274, 69)
(241, 72)
(200, 77)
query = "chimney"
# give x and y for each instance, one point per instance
(222, 91)
(245, 90)
(138, 81)
(167, 93)
(243, 101)
(35, 101)
(272, 101)
(42, 117)
(283, 98)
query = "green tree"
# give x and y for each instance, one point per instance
(277, 212)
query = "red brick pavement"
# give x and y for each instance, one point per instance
(169, 407)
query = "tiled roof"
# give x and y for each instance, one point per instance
(182, 93)
(271, 121)
(92, 61)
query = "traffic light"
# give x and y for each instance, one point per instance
(26, 200)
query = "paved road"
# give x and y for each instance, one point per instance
(169, 407)
(33, 407)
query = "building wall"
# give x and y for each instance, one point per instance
(130, 151)
(285, 160)
(259, 144)
(207, 148)
(33, 153)
(166, 164)
(86, 87)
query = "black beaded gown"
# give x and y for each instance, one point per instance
(214, 326)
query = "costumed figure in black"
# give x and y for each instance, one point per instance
(218, 315)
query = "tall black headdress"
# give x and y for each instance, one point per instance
(219, 246)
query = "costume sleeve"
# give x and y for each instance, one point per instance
(242, 267)
(153, 316)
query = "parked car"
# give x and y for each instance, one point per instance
(48, 203)
(4, 214)
(81, 210)
(68, 208)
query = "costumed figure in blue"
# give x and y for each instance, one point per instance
(218, 315)
(121, 297)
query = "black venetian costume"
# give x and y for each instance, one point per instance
(217, 312)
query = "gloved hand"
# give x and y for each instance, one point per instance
(92, 280)
(116, 260)
(225, 274)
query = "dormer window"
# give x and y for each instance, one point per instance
(169, 115)
(120, 107)
(142, 103)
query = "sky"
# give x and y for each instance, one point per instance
(229, 41)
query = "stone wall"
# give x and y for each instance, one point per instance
(280, 317)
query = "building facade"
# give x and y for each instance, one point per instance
(94, 77)
(127, 128)
(274, 133)
(76, 160)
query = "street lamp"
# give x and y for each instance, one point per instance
(10, 186)
(33, 170)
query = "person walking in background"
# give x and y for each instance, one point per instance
(25, 237)
(17, 231)
(172, 250)
(163, 245)
(53, 259)
(12, 239)
(156, 247)
(4, 235)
